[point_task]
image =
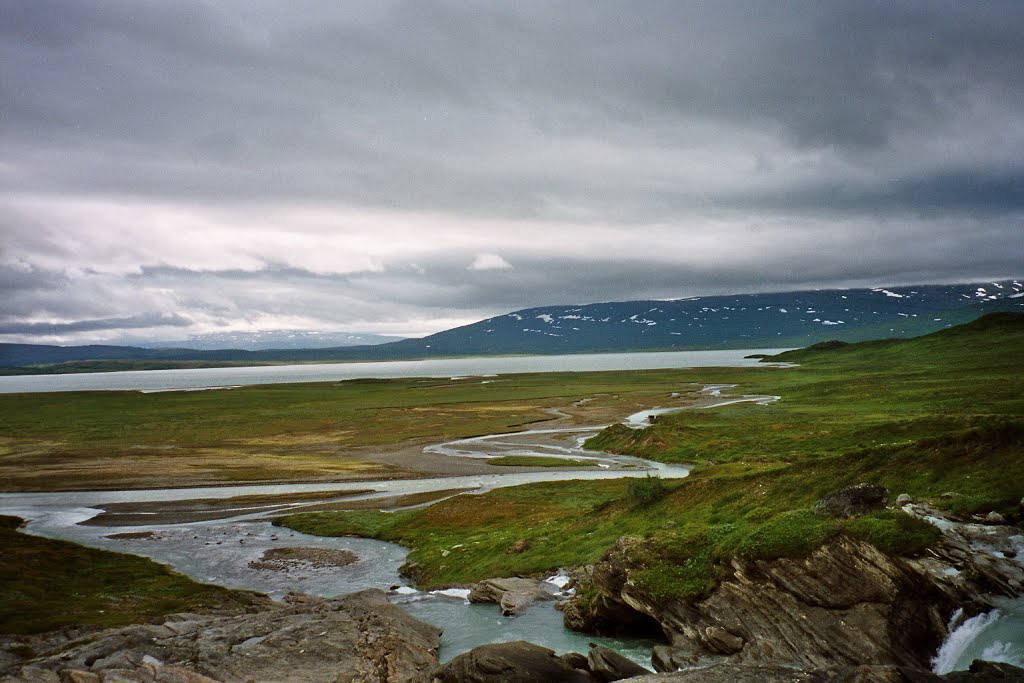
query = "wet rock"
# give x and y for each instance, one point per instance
(576, 660)
(608, 665)
(986, 672)
(666, 658)
(733, 673)
(994, 518)
(852, 500)
(516, 662)
(512, 595)
(358, 637)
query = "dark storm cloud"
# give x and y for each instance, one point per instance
(129, 323)
(370, 153)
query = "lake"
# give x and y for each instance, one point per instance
(211, 378)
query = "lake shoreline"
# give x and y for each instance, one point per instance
(484, 367)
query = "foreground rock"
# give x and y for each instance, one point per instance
(512, 595)
(517, 662)
(980, 672)
(847, 604)
(522, 662)
(607, 665)
(359, 637)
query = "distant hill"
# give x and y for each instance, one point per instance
(785, 319)
(271, 339)
(993, 339)
(734, 321)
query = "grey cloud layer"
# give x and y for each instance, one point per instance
(396, 142)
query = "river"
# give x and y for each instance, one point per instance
(220, 378)
(220, 551)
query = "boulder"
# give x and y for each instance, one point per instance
(667, 658)
(903, 499)
(986, 672)
(607, 665)
(357, 637)
(515, 662)
(994, 518)
(512, 595)
(852, 500)
(576, 660)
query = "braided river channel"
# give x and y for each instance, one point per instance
(221, 548)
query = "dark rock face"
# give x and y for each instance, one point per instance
(604, 612)
(852, 501)
(359, 637)
(517, 662)
(512, 595)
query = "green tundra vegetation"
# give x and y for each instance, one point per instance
(939, 417)
(324, 431)
(46, 584)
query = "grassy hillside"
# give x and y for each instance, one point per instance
(47, 584)
(938, 417)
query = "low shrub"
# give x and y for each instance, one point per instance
(641, 491)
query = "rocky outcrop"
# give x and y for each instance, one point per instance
(512, 595)
(980, 672)
(516, 662)
(852, 500)
(522, 662)
(598, 606)
(358, 637)
(845, 605)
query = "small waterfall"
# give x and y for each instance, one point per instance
(996, 636)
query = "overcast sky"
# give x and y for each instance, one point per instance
(171, 168)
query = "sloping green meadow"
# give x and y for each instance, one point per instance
(47, 584)
(938, 417)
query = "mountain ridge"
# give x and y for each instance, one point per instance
(761, 320)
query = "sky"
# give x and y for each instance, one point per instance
(186, 167)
